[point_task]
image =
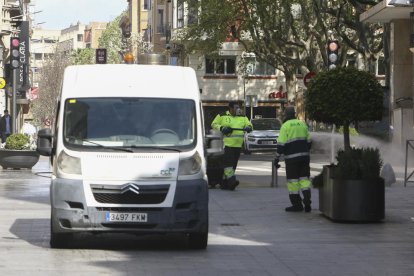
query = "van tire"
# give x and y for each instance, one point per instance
(198, 240)
(59, 240)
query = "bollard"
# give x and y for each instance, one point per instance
(275, 166)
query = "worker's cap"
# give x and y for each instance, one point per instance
(232, 104)
(290, 112)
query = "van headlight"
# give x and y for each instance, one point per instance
(69, 164)
(189, 166)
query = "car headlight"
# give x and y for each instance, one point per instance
(69, 164)
(189, 166)
(251, 139)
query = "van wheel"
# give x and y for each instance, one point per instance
(197, 240)
(246, 151)
(59, 240)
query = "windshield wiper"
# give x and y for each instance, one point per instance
(102, 146)
(125, 148)
(154, 147)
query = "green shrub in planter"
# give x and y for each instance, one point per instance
(18, 141)
(358, 163)
(344, 96)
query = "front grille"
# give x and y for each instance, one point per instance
(130, 193)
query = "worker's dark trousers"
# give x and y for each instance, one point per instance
(230, 160)
(297, 175)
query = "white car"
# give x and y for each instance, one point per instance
(264, 135)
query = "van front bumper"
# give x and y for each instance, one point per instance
(188, 212)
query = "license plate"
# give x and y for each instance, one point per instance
(267, 142)
(127, 217)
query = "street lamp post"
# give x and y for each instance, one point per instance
(249, 62)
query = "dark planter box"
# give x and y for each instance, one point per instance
(351, 200)
(18, 159)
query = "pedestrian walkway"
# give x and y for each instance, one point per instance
(250, 234)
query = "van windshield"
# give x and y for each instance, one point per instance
(129, 123)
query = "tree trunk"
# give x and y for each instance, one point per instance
(347, 142)
(290, 78)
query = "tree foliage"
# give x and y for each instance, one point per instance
(343, 96)
(290, 35)
(111, 39)
(83, 56)
(50, 83)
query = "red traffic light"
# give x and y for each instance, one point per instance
(333, 46)
(15, 42)
(14, 52)
(333, 55)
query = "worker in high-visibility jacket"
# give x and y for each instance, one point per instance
(232, 124)
(294, 143)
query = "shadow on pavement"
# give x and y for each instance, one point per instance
(37, 233)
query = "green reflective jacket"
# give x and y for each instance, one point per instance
(236, 137)
(294, 140)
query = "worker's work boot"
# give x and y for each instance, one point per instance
(224, 184)
(232, 183)
(296, 201)
(307, 200)
(236, 183)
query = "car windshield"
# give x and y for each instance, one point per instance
(266, 124)
(129, 123)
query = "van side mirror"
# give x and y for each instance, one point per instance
(214, 143)
(44, 142)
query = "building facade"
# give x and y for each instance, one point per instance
(72, 37)
(401, 49)
(222, 79)
(42, 47)
(93, 32)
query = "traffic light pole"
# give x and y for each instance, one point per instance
(14, 104)
(244, 95)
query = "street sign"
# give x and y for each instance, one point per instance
(307, 78)
(100, 56)
(2, 83)
(249, 68)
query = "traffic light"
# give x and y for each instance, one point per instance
(14, 52)
(333, 54)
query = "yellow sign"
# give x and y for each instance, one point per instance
(2, 83)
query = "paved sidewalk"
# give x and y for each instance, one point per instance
(310, 244)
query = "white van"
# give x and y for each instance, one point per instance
(128, 152)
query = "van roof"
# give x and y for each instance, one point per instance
(130, 80)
